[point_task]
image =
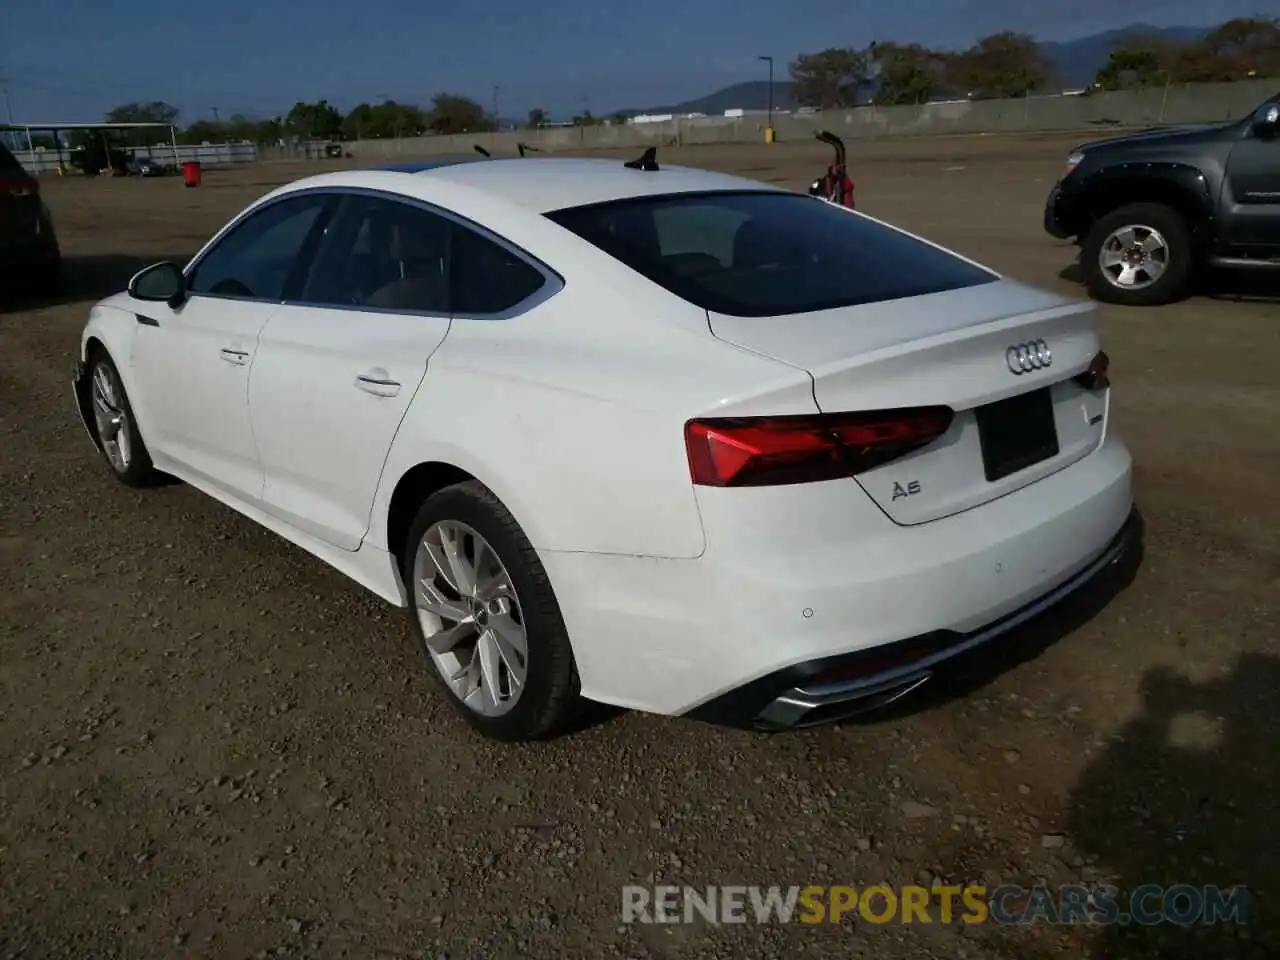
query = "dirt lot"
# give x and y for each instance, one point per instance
(212, 746)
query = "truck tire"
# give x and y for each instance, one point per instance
(1139, 255)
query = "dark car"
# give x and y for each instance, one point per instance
(1149, 210)
(149, 167)
(30, 260)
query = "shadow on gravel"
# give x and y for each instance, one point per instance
(966, 674)
(592, 715)
(1224, 285)
(88, 278)
(1072, 273)
(1187, 795)
(1261, 286)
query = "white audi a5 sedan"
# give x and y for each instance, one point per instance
(653, 436)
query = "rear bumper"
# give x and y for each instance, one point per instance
(835, 688)
(792, 579)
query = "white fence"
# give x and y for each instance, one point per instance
(45, 160)
(1153, 106)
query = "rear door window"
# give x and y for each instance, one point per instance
(382, 254)
(754, 254)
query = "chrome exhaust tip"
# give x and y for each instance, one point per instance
(799, 708)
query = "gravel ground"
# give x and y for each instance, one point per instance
(213, 746)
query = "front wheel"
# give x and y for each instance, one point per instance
(1138, 255)
(484, 612)
(116, 427)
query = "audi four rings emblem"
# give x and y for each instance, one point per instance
(1025, 357)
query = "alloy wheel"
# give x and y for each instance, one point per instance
(471, 617)
(110, 417)
(1134, 257)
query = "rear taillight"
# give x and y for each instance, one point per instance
(1097, 376)
(765, 451)
(19, 187)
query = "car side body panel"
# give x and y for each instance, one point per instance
(619, 389)
(114, 326)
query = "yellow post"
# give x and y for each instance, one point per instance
(768, 134)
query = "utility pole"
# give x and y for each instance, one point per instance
(497, 124)
(768, 130)
(215, 114)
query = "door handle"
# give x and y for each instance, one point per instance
(231, 355)
(378, 383)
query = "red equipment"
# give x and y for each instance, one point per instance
(834, 185)
(191, 173)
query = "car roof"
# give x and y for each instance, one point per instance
(509, 196)
(543, 184)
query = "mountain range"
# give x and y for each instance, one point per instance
(1077, 63)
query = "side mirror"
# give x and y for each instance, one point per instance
(159, 283)
(1266, 120)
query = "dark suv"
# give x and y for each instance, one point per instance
(1149, 209)
(30, 261)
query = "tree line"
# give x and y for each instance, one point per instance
(449, 113)
(999, 66)
(1008, 64)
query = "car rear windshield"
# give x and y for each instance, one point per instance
(760, 254)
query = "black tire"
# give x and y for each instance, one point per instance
(549, 701)
(1171, 285)
(138, 472)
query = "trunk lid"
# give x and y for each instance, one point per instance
(949, 349)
